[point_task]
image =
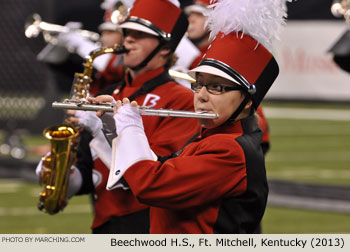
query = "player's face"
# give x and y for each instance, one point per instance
(139, 44)
(110, 38)
(224, 104)
(196, 25)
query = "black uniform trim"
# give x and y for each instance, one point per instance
(243, 214)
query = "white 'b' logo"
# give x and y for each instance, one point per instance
(151, 100)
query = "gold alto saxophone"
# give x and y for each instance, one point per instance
(64, 139)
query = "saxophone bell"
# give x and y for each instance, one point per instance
(57, 167)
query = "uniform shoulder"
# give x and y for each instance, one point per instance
(223, 140)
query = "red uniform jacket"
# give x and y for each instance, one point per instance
(113, 73)
(216, 185)
(165, 135)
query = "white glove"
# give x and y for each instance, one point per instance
(74, 25)
(71, 40)
(127, 116)
(101, 147)
(130, 146)
(74, 42)
(90, 121)
(40, 167)
(99, 143)
(75, 182)
(75, 178)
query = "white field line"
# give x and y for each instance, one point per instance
(29, 211)
(307, 114)
(309, 203)
(10, 187)
(296, 156)
(311, 172)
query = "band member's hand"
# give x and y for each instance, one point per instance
(127, 115)
(88, 120)
(102, 99)
(40, 167)
(131, 145)
(71, 40)
(75, 177)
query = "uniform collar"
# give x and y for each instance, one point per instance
(244, 126)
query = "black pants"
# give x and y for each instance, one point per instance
(135, 223)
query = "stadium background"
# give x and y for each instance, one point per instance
(307, 166)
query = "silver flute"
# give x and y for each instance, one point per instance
(108, 107)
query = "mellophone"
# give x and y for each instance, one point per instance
(108, 107)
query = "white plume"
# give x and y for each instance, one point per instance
(261, 19)
(175, 2)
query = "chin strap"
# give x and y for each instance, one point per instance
(240, 108)
(149, 57)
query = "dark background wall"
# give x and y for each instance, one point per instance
(28, 87)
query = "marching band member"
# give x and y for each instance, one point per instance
(151, 34)
(109, 67)
(197, 32)
(217, 184)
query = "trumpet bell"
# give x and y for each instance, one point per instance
(32, 26)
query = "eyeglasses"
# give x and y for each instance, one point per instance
(213, 88)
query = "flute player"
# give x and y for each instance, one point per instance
(217, 184)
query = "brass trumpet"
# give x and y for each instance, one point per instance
(34, 25)
(341, 8)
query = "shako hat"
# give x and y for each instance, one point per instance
(200, 6)
(161, 18)
(242, 32)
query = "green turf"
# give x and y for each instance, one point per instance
(311, 151)
(19, 213)
(295, 221)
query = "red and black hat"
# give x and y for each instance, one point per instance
(242, 34)
(241, 60)
(200, 6)
(160, 18)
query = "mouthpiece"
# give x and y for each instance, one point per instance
(120, 50)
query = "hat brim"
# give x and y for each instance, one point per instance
(211, 70)
(138, 27)
(195, 8)
(108, 26)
